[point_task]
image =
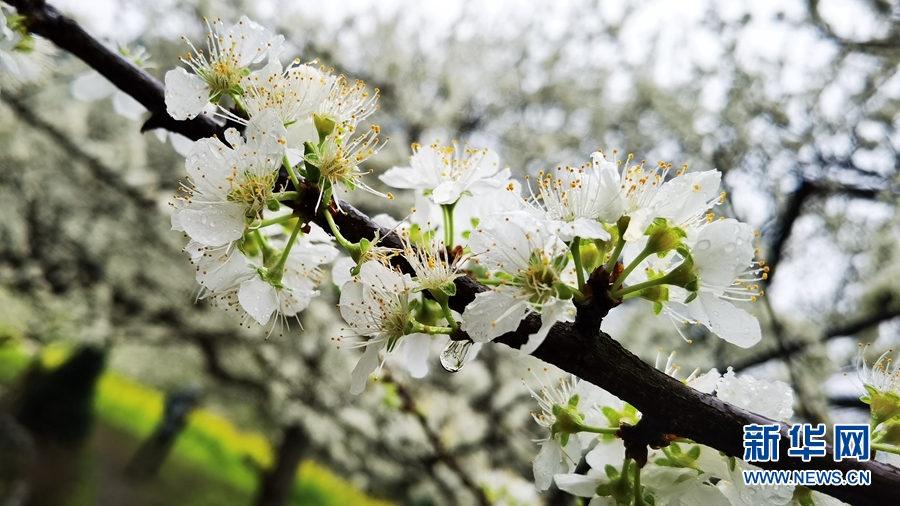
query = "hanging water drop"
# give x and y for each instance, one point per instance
(455, 355)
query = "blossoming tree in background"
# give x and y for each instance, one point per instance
(261, 206)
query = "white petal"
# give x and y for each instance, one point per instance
(340, 271)
(687, 197)
(353, 308)
(706, 383)
(732, 324)
(366, 366)
(577, 484)
(91, 86)
(213, 224)
(606, 453)
(186, 94)
(546, 464)
(586, 228)
(556, 311)
(721, 250)
(404, 178)
(416, 348)
(258, 299)
(127, 106)
(447, 192)
(493, 314)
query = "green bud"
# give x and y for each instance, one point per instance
(663, 238)
(324, 125)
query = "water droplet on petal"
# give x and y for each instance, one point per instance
(455, 355)
(703, 245)
(729, 247)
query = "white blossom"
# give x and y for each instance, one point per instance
(375, 305)
(532, 260)
(577, 200)
(647, 195)
(773, 400)
(446, 173)
(219, 70)
(230, 185)
(346, 104)
(260, 297)
(723, 253)
(560, 450)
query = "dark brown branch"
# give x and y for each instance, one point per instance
(577, 348)
(44, 20)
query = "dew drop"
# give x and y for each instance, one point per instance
(455, 355)
(703, 245)
(729, 247)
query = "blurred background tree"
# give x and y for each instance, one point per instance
(796, 102)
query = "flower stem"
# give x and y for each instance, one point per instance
(447, 210)
(638, 498)
(277, 272)
(445, 308)
(291, 173)
(335, 231)
(600, 430)
(575, 247)
(882, 447)
(272, 221)
(618, 294)
(631, 266)
(614, 256)
(430, 329)
(287, 196)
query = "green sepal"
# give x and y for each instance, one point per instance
(604, 489)
(564, 439)
(690, 297)
(657, 308)
(611, 472)
(803, 496)
(563, 291)
(449, 288)
(413, 305)
(273, 205)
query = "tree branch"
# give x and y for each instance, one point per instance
(579, 348)
(44, 20)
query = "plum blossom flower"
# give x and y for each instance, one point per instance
(774, 400)
(376, 305)
(531, 262)
(293, 93)
(446, 173)
(577, 200)
(683, 200)
(230, 185)
(562, 408)
(722, 253)
(289, 292)
(219, 70)
(346, 105)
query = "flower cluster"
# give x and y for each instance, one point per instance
(21, 55)
(583, 422)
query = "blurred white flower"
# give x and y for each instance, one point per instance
(91, 86)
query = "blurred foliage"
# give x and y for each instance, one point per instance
(209, 442)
